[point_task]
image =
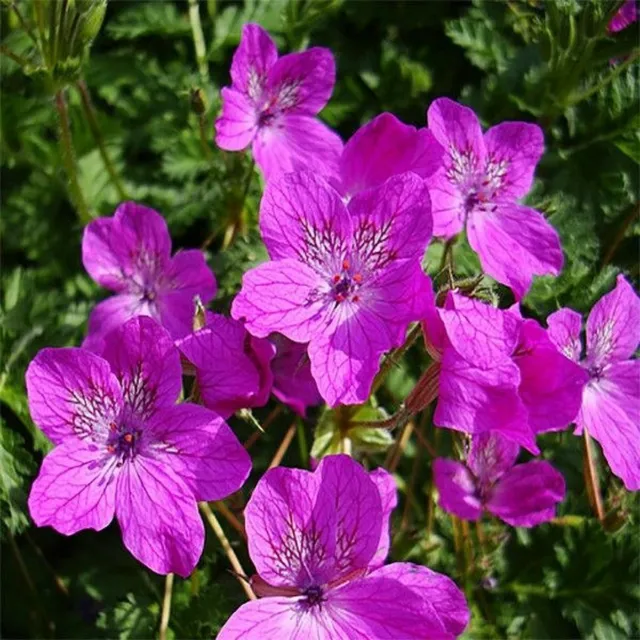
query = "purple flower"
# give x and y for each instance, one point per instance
(610, 410)
(479, 185)
(627, 14)
(382, 148)
(231, 366)
(523, 495)
(124, 447)
(130, 254)
(293, 383)
(318, 541)
(346, 279)
(272, 103)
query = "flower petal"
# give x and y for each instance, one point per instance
(527, 495)
(564, 331)
(447, 205)
(389, 496)
(189, 273)
(72, 394)
(456, 488)
(237, 126)
(158, 516)
(514, 243)
(201, 449)
(385, 147)
(253, 59)
(491, 455)
(613, 326)
(147, 364)
(73, 490)
(513, 151)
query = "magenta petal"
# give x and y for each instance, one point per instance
(627, 14)
(201, 449)
(147, 364)
(514, 243)
(72, 393)
(159, 517)
(438, 590)
(457, 489)
(281, 296)
(613, 326)
(513, 151)
(527, 495)
(237, 125)
(385, 147)
(491, 455)
(389, 497)
(447, 205)
(253, 59)
(302, 217)
(564, 331)
(73, 490)
(188, 273)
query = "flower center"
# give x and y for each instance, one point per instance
(148, 294)
(595, 372)
(345, 285)
(314, 596)
(123, 442)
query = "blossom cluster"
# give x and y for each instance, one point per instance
(346, 227)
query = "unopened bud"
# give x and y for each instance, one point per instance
(199, 315)
(198, 101)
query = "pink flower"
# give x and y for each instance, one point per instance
(523, 495)
(124, 447)
(272, 103)
(610, 409)
(318, 541)
(346, 279)
(627, 15)
(293, 383)
(130, 254)
(232, 367)
(479, 186)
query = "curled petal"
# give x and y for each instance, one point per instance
(457, 489)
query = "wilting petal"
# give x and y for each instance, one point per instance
(121, 250)
(385, 147)
(302, 83)
(513, 151)
(302, 217)
(389, 496)
(391, 223)
(296, 142)
(564, 331)
(527, 495)
(281, 296)
(613, 326)
(479, 332)
(158, 516)
(72, 393)
(514, 243)
(611, 414)
(438, 590)
(147, 364)
(237, 125)
(74, 489)
(457, 489)
(253, 59)
(200, 448)
(491, 455)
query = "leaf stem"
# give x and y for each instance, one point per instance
(230, 517)
(591, 477)
(166, 606)
(19, 60)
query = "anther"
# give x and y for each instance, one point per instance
(339, 297)
(346, 265)
(128, 438)
(357, 278)
(111, 448)
(336, 278)
(356, 298)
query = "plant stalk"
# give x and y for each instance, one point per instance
(166, 606)
(591, 477)
(198, 39)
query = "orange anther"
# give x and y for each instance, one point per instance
(356, 298)
(336, 278)
(346, 264)
(128, 437)
(339, 297)
(111, 448)
(113, 426)
(357, 278)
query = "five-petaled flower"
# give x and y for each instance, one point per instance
(318, 541)
(347, 279)
(124, 447)
(272, 105)
(610, 410)
(479, 185)
(130, 254)
(523, 495)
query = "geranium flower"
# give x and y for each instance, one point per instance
(130, 254)
(626, 15)
(232, 367)
(479, 186)
(318, 541)
(610, 410)
(124, 447)
(346, 279)
(523, 495)
(272, 105)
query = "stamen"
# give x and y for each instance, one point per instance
(346, 265)
(357, 278)
(336, 278)
(339, 297)
(356, 298)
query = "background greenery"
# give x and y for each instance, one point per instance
(548, 62)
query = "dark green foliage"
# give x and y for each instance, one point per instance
(544, 61)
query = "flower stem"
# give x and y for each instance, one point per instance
(166, 606)
(230, 517)
(226, 546)
(284, 445)
(302, 444)
(69, 159)
(417, 463)
(92, 121)
(198, 39)
(634, 212)
(591, 477)
(19, 60)
(393, 459)
(391, 360)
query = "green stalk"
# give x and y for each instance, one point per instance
(198, 39)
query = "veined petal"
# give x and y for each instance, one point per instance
(72, 394)
(491, 455)
(613, 326)
(147, 364)
(237, 125)
(514, 243)
(389, 496)
(189, 273)
(564, 331)
(74, 490)
(457, 489)
(447, 204)
(253, 59)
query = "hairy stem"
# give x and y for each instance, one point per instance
(633, 213)
(591, 477)
(166, 606)
(251, 440)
